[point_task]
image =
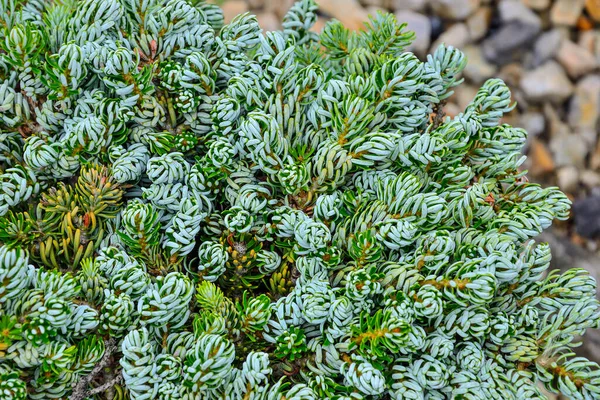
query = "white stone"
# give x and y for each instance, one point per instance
(590, 178)
(514, 10)
(569, 149)
(419, 24)
(268, 21)
(566, 12)
(454, 9)
(547, 45)
(546, 83)
(568, 178)
(412, 5)
(457, 35)
(538, 5)
(479, 23)
(533, 122)
(576, 60)
(478, 70)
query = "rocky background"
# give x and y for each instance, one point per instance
(548, 52)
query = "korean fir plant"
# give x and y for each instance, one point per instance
(193, 210)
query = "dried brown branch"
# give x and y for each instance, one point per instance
(437, 117)
(81, 388)
(117, 380)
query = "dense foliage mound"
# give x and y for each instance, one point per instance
(198, 211)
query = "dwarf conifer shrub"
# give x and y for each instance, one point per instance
(193, 210)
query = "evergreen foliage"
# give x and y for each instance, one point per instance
(212, 212)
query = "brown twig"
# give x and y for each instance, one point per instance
(437, 117)
(81, 388)
(117, 380)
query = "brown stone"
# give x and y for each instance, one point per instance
(593, 9)
(268, 21)
(348, 12)
(584, 108)
(584, 23)
(452, 110)
(537, 5)
(512, 74)
(546, 83)
(233, 8)
(541, 159)
(278, 7)
(319, 25)
(595, 158)
(255, 4)
(479, 23)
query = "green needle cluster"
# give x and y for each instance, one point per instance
(192, 210)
